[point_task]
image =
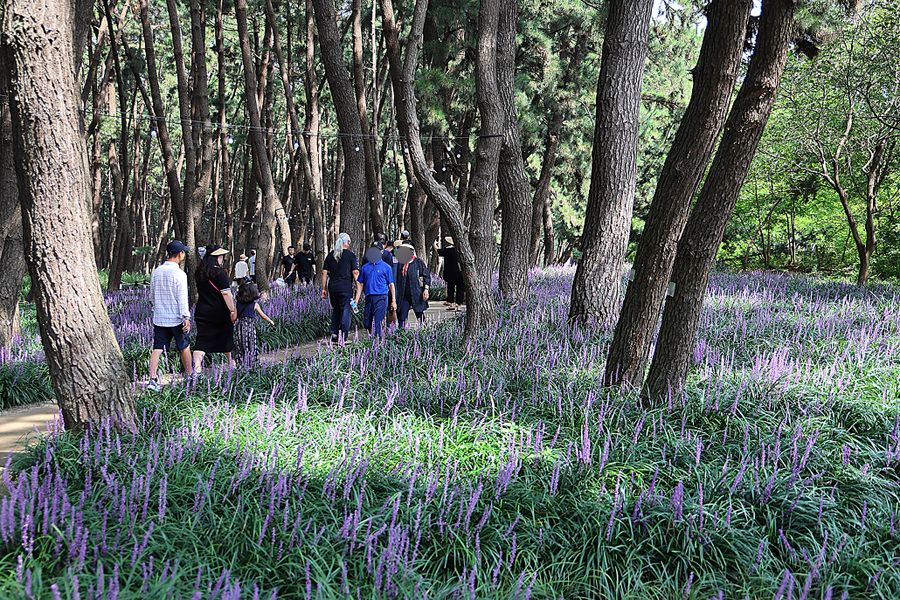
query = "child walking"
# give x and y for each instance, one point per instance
(246, 352)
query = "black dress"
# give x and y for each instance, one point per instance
(215, 331)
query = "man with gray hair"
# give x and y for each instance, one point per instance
(339, 282)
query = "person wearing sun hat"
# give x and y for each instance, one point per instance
(241, 268)
(456, 287)
(215, 312)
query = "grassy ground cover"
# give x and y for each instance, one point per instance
(405, 469)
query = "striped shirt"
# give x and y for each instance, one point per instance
(169, 295)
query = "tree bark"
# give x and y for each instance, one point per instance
(86, 365)
(481, 311)
(296, 136)
(353, 189)
(597, 288)
(483, 184)
(170, 164)
(271, 204)
(373, 169)
(515, 203)
(13, 249)
(313, 121)
(714, 78)
(706, 225)
(541, 200)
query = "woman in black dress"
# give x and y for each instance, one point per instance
(215, 311)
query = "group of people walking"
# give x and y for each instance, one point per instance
(225, 324)
(393, 279)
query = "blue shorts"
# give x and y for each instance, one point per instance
(162, 336)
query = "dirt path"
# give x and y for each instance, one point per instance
(19, 424)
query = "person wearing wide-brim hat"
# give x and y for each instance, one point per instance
(412, 283)
(241, 268)
(215, 312)
(456, 287)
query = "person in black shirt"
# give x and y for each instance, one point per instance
(288, 272)
(456, 287)
(339, 282)
(305, 265)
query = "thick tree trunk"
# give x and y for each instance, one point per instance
(483, 185)
(13, 249)
(86, 365)
(597, 288)
(515, 203)
(709, 217)
(353, 188)
(714, 78)
(271, 204)
(481, 309)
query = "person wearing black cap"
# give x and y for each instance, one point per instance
(171, 314)
(288, 268)
(215, 312)
(305, 265)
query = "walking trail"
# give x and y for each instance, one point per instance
(22, 424)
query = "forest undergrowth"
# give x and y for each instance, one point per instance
(403, 468)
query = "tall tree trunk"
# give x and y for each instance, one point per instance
(353, 189)
(373, 169)
(714, 77)
(121, 172)
(541, 200)
(515, 203)
(86, 365)
(706, 225)
(483, 185)
(261, 166)
(296, 137)
(313, 122)
(13, 249)
(481, 309)
(549, 245)
(122, 218)
(597, 288)
(181, 215)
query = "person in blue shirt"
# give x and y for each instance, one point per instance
(377, 281)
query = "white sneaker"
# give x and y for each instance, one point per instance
(154, 385)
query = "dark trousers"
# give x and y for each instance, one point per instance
(291, 279)
(456, 291)
(374, 312)
(340, 313)
(403, 312)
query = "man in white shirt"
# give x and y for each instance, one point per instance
(241, 268)
(171, 314)
(251, 263)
